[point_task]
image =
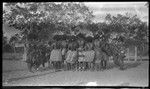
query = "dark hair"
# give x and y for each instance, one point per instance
(72, 45)
(97, 40)
(53, 45)
(83, 43)
(58, 45)
(62, 46)
(69, 46)
(75, 45)
(90, 43)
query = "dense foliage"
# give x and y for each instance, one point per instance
(45, 18)
(38, 21)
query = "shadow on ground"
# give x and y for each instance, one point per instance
(7, 71)
(35, 75)
(132, 65)
(127, 65)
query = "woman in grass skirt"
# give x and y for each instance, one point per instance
(29, 60)
(37, 58)
(71, 56)
(98, 54)
(89, 55)
(100, 57)
(112, 50)
(64, 45)
(31, 57)
(42, 55)
(47, 54)
(81, 43)
(56, 55)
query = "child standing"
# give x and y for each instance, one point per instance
(101, 56)
(71, 56)
(56, 55)
(30, 57)
(80, 54)
(89, 55)
(104, 60)
(64, 51)
(98, 54)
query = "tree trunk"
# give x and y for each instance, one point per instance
(14, 49)
(135, 53)
(13, 54)
(25, 53)
(128, 52)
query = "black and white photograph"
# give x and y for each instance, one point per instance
(75, 44)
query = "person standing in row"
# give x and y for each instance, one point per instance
(56, 55)
(71, 57)
(64, 45)
(89, 55)
(30, 56)
(100, 57)
(80, 53)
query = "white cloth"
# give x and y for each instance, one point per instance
(81, 56)
(63, 51)
(71, 56)
(56, 55)
(89, 55)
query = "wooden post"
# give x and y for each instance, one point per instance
(14, 57)
(135, 53)
(23, 57)
(25, 52)
(128, 53)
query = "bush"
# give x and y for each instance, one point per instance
(8, 49)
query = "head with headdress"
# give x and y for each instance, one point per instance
(81, 39)
(89, 39)
(56, 37)
(63, 41)
(89, 46)
(97, 40)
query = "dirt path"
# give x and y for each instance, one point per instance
(135, 75)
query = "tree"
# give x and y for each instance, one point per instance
(43, 19)
(8, 48)
(38, 21)
(45, 16)
(130, 27)
(122, 31)
(4, 40)
(92, 27)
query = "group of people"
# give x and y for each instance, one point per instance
(77, 53)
